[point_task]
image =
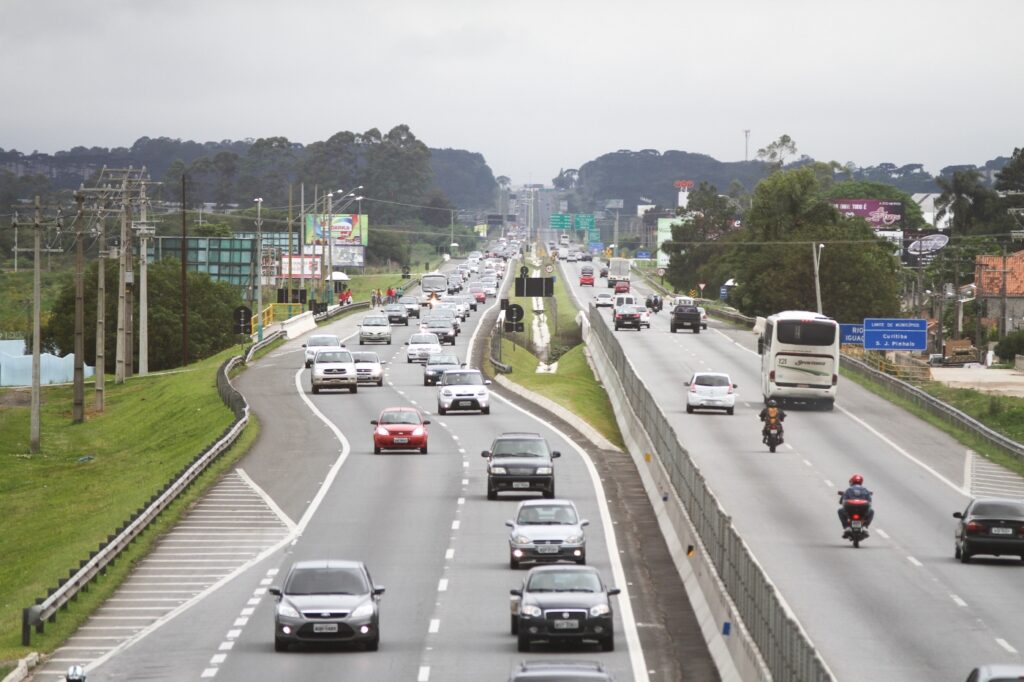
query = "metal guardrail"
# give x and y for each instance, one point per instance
(784, 646)
(334, 311)
(259, 345)
(45, 609)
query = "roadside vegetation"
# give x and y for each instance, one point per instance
(59, 505)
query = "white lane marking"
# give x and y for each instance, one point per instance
(247, 612)
(957, 600)
(968, 459)
(465, 463)
(882, 533)
(218, 659)
(266, 499)
(903, 452)
(442, 585)
(456, 524)
(240, 622)
(462, 451)
(465, 481)
(209, 672)
(255, 601)
(636, 653)
(226, 646)
(829, 483)
(443, 424)
(260, 591)
(424, 674)
(1006, 645)
(266, 581)
(914, 561)
(435, 625)
(461, 500)
(808, 463)
(449, 553)
(233, 634)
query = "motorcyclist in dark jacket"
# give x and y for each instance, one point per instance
(771, 412)
(856, 491)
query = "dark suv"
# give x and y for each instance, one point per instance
(520, 462)
(684, 316)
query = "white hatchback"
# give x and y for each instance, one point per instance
(711, 391)
(420, 346)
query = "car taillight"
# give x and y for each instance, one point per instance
(975, 527)
(730, 389)
(835, 379)
(693, 388)
(771, 376)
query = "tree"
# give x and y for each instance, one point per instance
(972, 204)
(708, 217)
(777, 152)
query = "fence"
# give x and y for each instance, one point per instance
(785, 648)
(45, 609)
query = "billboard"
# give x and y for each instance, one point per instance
(664, 234)
(922, 247)
(346, 228)
(340, 255)
(300, 267)
(881, 214)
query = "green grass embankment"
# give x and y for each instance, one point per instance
(58, 505)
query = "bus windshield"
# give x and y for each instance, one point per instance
(434, 283)
(806, 333)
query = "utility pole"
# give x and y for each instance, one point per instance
(1002, 297)
(119, 373)
(145, 232)
(746, 144)
(184, 278)
(259, 269)
(288, 281)
(330, 246)
(78, 400)
(129, 296)
(101, 308)
(36, 296)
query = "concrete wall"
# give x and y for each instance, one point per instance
(16, 367)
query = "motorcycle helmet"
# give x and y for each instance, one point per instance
(772, 403)
(856, 479)
(76, 673)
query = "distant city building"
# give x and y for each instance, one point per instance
(928, 210)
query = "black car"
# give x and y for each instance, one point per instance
(520, 462)
(990, 525)
(559, 603)
(560, 671)
(327, 601)
(444, 329)
(627, 316)
(397, 314)
(436, 366)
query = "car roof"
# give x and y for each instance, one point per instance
(423, 338)
(327, 563)
(400, 409)
(324, 336)
(541, 502)
(519, 434)
(563, 568)
(711, 374)
(465, 370)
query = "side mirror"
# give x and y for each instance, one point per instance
(426, 421)
(958, 515)
(613, 591)
(276, 591)
(373, 421)
(510, 524)
(343, 345)
(735, 386)
(485, 453)
(686, 383)
(584, 523)
(487, 382)
(377, 590)
(516, 593)
(303, 345)
(556, 454)
(760, 346)
(383, 362)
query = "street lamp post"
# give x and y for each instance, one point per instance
(816, 251)
(259, 268)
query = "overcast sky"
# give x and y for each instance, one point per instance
(533, 85)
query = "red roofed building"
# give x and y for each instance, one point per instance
(990, 277)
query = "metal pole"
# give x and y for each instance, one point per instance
(78, 399)
(329, 296)
(816, 251)
(101, 312)
(119, 346)
(259, 269)
(129, 300)
(1002, 296)
(36, 331)
(143, 289)
(184, 278)
(288, 283)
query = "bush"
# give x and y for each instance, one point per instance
(1010, 346)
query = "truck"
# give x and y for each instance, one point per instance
(684, 316)
(618, 271)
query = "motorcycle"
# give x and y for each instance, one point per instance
(856, 511)
(773, 435)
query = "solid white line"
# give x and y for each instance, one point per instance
(624, 604)
(968, 459)
(1006, 645)
(903, 452)
(424, 674)
(957, 600)
(435, 625)
(914, 561)
(267, 499)
(882, 533)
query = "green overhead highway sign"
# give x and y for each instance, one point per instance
(584, 221)
(560, 221)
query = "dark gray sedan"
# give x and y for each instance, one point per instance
(437, 364)
(559, 603)
(327, 600)
(990, 525)
(397, 314)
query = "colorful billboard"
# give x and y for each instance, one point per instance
(346, 228)
(922, 247)
(881, 214)
(300, 267)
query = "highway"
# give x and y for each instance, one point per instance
(424, 527)
(898, 608)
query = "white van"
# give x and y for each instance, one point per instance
(682, 300)
(625, 299)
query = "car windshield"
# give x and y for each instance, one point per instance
(334, 356)
(326, 581)
(395, 308)
(564, 581)
(463, 379)
(519, 447)
(1007, 509)
(556, 514)
(364, 357)
(711, 380)
(323, 341)
(400, 417)
(423, 339)
(375, 322)
(437, 359)
(409, 300)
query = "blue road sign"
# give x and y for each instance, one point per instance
(895, 334)
(852, 334)
(595, 247)
(723, 293)
(643, 254)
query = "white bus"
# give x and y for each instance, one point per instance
(563, 240)
(433, 285)
(799, 357)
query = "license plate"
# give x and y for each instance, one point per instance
(856, 525)
(465, 403)
(325, 627)
(520, 484)
(401, 440)
(547, 549)
(566, 624)
(1001, 531)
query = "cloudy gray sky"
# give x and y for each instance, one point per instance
(532, 85)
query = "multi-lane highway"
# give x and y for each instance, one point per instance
(424, 527)
(898, 608)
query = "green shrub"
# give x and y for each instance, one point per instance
(1011, 345)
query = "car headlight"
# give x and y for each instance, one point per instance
(381, 431)
(574, 540)
(530, 610)
(287, 610)
(543, 471)
(481, 393)
(366, 609)
(418, 431)
(499, 470)
(600, 610)
(446, 393)
(521, 540)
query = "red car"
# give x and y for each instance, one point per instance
(400, 428)
(587, 278)
(622, 287)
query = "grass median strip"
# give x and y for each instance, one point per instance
(89, 478)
